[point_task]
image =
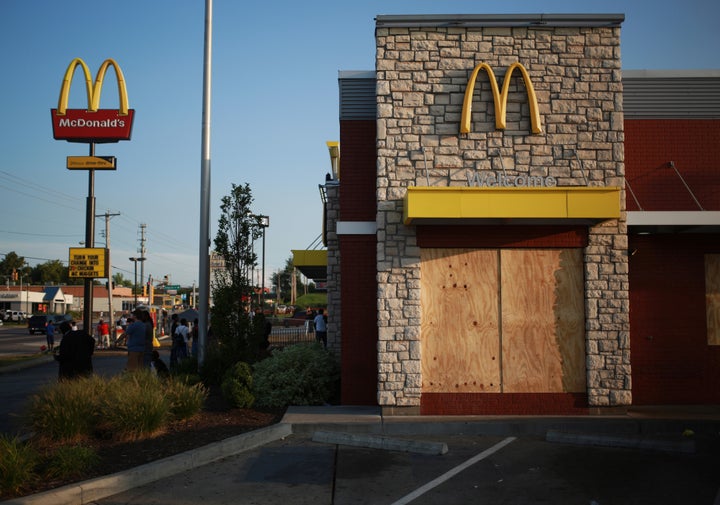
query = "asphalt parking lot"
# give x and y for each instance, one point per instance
(475, 469)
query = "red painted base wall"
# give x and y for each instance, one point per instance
(503, 404)
(672, 363)
(358, 289)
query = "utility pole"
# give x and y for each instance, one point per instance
(143, 227)
(111, 321)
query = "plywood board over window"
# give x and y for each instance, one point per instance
(459, 297)
(507, 320)
(543, 324)
(712, 297)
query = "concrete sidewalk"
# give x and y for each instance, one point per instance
(658, 428)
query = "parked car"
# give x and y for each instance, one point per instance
(15, 315)
(37, 324)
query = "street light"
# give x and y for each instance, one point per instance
(263, 222)
(135, 260)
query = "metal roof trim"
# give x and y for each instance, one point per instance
(499, 20)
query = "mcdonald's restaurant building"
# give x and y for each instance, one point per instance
(518, 226)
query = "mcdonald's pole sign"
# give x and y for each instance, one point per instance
(92, 125)
(500, 98)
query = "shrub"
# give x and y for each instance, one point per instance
(302, 374)
(216, 363)
(236, 386)
(185, 400)
(67, 410)
(17, 464)
(135, 406)
(71, 461)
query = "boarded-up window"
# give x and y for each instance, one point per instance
(502, 320)
(712, 297)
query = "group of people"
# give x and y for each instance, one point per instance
(183, 338)
(140, 334)
(76, 348)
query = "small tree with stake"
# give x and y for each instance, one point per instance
(234, 335)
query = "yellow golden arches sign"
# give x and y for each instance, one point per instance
(92, 124)
(500, 98)
(93, 91)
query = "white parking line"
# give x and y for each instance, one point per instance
(453, 472)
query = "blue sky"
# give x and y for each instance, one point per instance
(274, 105)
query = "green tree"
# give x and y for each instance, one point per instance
(120, 280)
(13, 266)
(235, 335)
(50, 272)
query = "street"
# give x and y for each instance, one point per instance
(15, 339)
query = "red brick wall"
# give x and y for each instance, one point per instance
(358, 289)
(671, 360)
(358, 171)
(501, 236)
(694, 146)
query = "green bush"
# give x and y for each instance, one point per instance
(17, 464)
(67, 410)
(71, 461)
(134, 406)
(237, 384)
(216, 363)
(302, 374)
(185, 400)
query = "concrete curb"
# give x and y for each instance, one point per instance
(109, 485)
(685, 446)
(380, 442)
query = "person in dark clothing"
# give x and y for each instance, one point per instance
(74, 353)
(159, 365)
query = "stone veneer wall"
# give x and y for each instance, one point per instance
(421, 78)
(332, 208)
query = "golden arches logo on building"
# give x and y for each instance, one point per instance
(500, 98)
(92, 124)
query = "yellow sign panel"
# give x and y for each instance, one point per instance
(88, 262)
(91, 162)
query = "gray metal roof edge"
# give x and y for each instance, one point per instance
(356, 74)
(579, 20)
(671, 74)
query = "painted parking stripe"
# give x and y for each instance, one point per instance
(453, 472)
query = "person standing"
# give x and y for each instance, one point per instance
(180, 341)
(103, 331)
(136, 341)
(149, 334)
(50, 335)
(74, 353)
(195, 337)
(321, 328)
(173, 340)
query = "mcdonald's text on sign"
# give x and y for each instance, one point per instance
(91, 162)
(92, 125)
(88, 262)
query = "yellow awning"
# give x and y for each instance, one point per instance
(511, 205)
(311, 262)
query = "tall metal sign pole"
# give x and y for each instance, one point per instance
(89, 242)
(204, 253)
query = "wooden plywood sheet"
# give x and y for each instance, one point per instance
(459, 329)
(542, 334)
(712, 297)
